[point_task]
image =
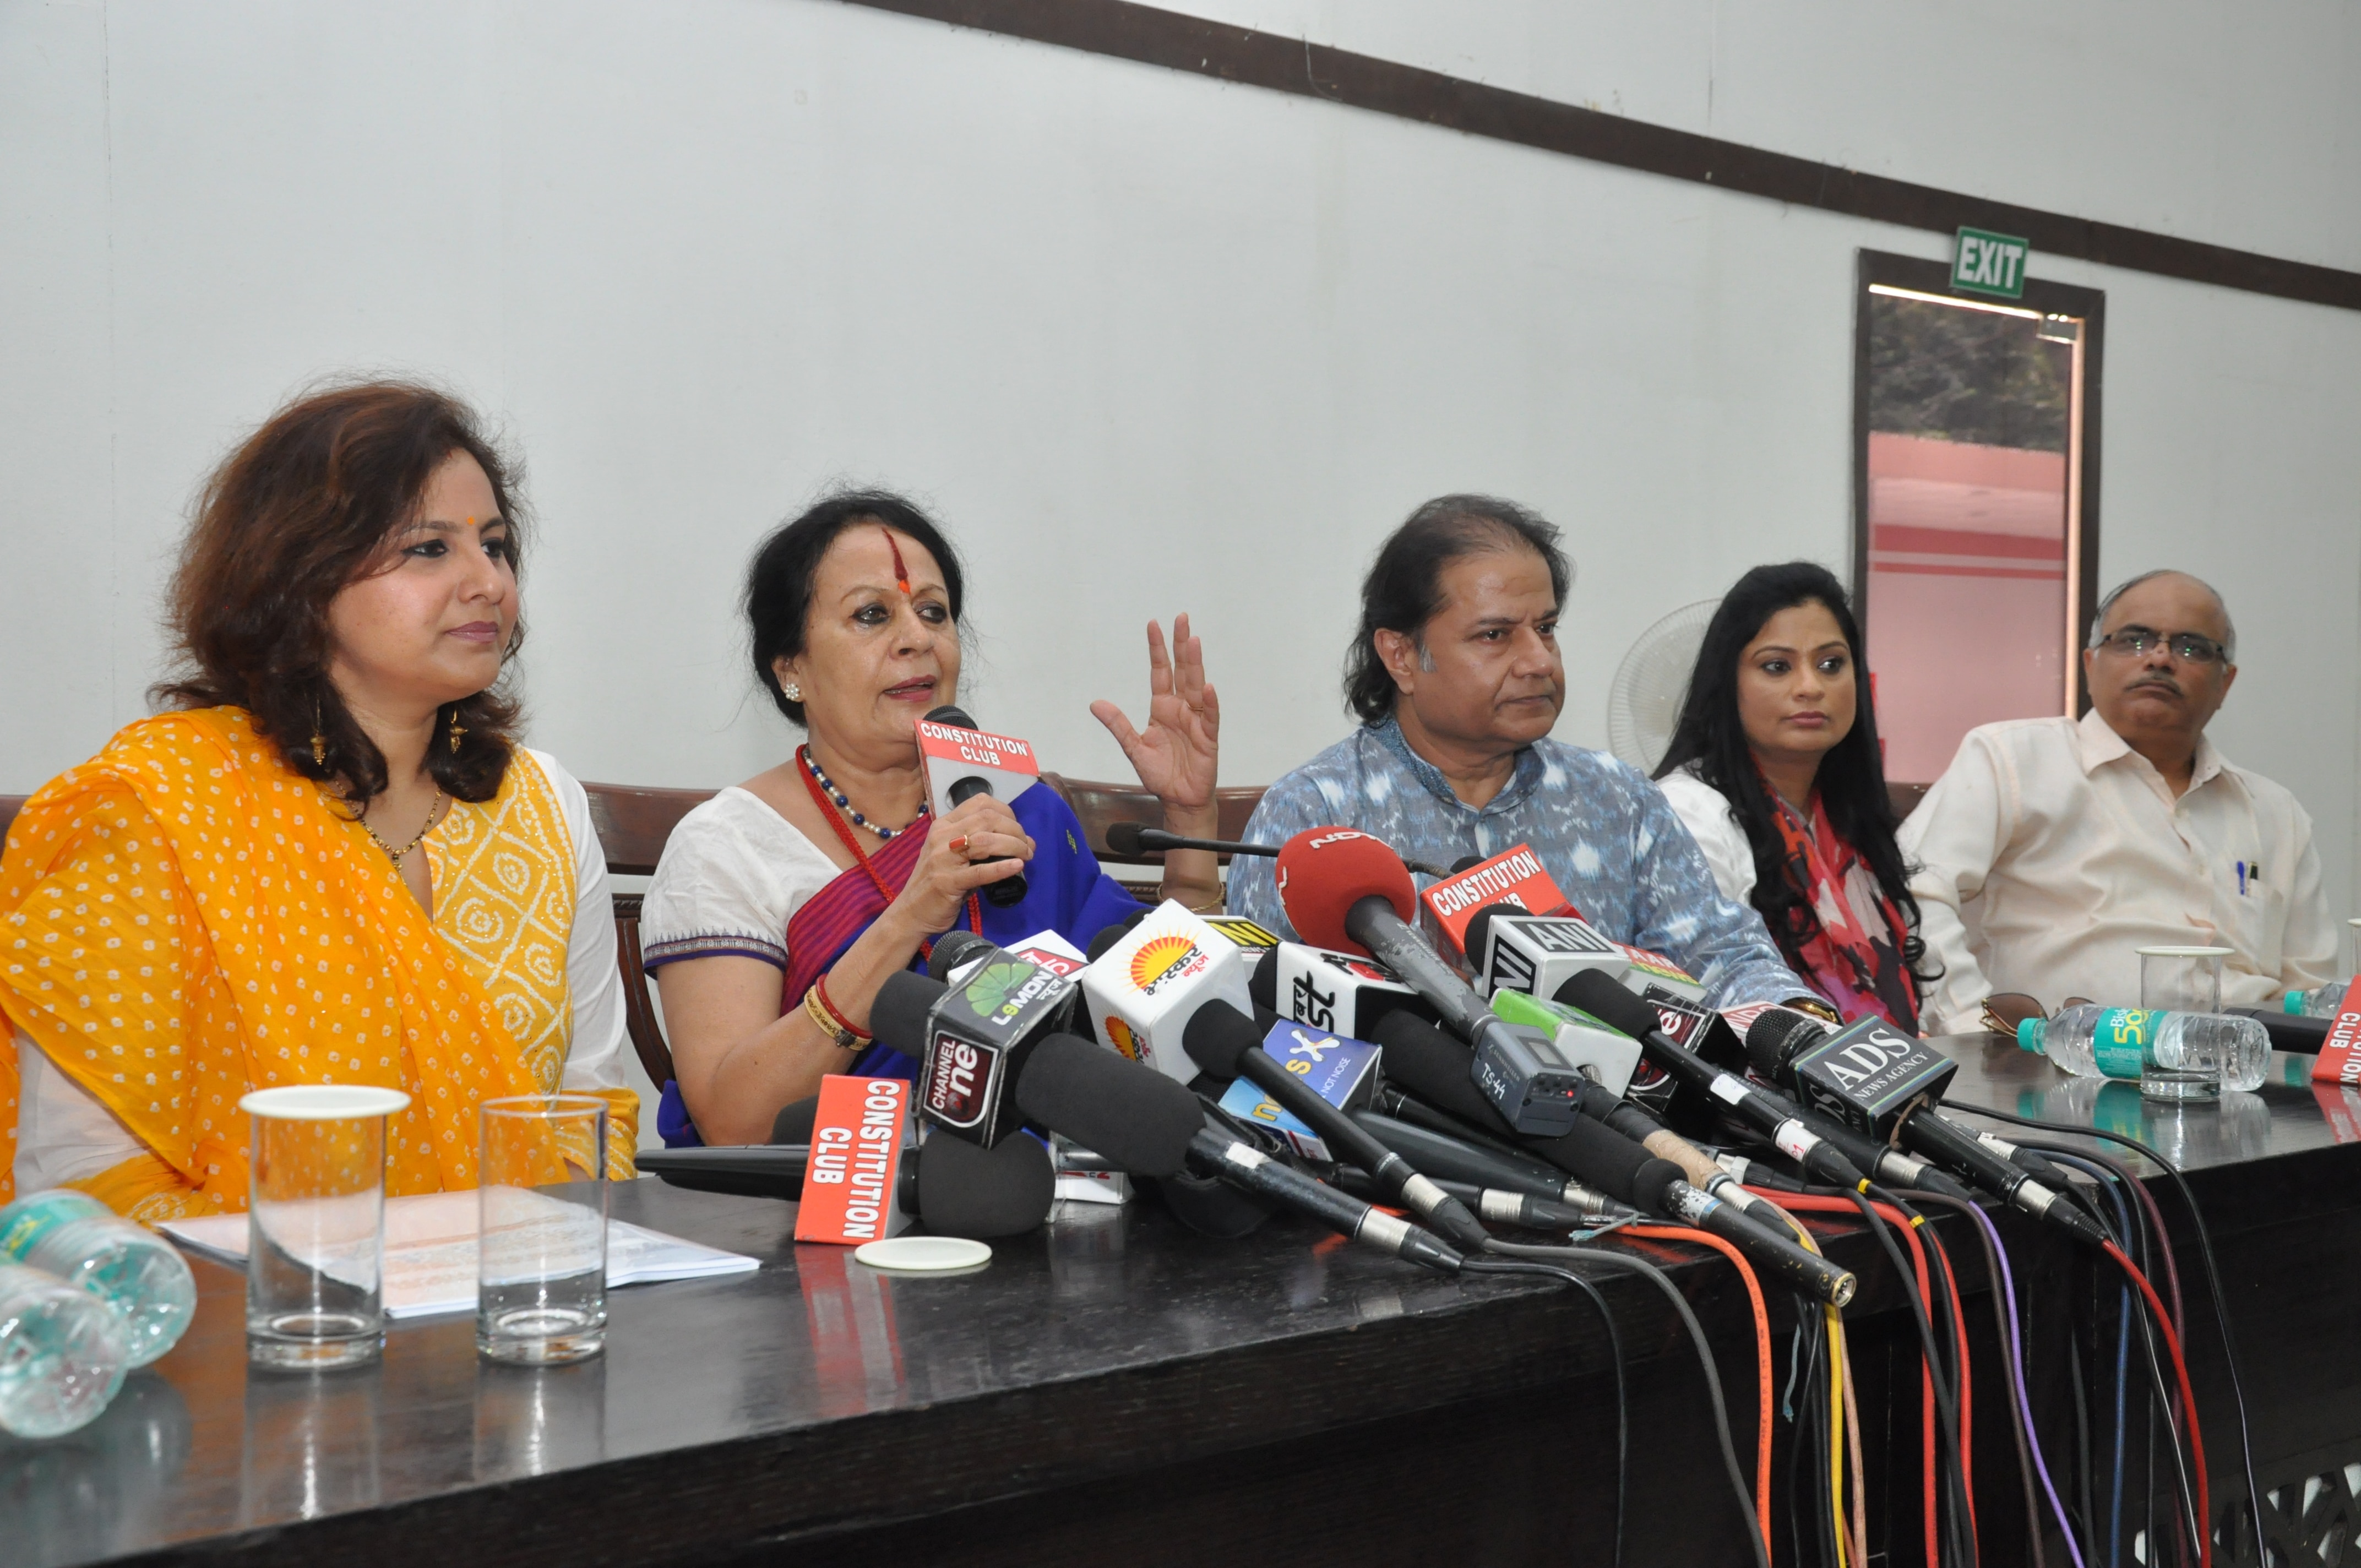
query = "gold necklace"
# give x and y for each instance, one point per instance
(433, 816)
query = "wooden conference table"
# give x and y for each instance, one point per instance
(1114, 1387)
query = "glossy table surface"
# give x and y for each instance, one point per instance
(1110, 1340)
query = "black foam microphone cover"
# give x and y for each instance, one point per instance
(1262, 986)
(1211, 1207)
(1435, 1068)
(967, 1189)
(1109, 935)
(1480, 923)
(1132, 1116)
(1465, 864)
(1610, 1001)
(1218, 1039)
(952, 948)
(898, 1016)
(794, 1125)
(1123, 837)
(1603, 1158)
(953, 715)
(1769, 1037)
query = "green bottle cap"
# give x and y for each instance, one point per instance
(2294, 1003)
(2029, 1033)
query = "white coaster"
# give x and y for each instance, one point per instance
(923, 1254)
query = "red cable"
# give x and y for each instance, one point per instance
(1761, 1353)
(2188, 1403)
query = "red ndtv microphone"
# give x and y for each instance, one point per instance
(1324, 871)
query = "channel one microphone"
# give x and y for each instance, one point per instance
(970, 1040)
(1612, 1004)
(1859, 1090)
(1619, 1166)
(1344, 889)
(1224, 1042)
(962, 763)
(1148, 1125)
(1142, 991)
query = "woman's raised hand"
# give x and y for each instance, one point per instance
(961, 856)
(1175, 757)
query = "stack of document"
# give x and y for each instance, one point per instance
(430, 1252)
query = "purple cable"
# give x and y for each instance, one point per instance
(2016, 1383)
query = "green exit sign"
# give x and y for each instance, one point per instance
(1987, 263)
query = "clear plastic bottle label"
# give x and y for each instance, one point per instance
(2124, 1041)
(30, 1218)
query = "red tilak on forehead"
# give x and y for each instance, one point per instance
(901, 573)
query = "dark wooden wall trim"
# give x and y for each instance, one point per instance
(1152, 37)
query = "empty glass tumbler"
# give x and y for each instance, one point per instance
(2184, 980)
(542, 1272)
(315, 1232)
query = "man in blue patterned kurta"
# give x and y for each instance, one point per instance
(1457, 676)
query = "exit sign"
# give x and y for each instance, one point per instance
(1988, 263)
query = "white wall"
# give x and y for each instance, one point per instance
(1146, 341)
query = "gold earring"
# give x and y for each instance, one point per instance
(792, 692)
(458, 730)
(319, 741)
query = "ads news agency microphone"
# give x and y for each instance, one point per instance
(1858, 1076)
(1344, 889)
(1150, 1126)
(962, 763)
(1142, 992)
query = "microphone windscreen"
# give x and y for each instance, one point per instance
(952, 948)
(1324, 871)
(1133, 1116)
(1218, 1037)
(898, 1016)
(1435, 1068)
(1768, 1037)
(1465, 864)
(794, 1125)
(1103, 943)
(1211, 1207)
(1610, 1001)
(1651, 1185)
(955, 715)
(1603, 1158)
(1123, 837)
(1262, 986)
(1478, 925)
(967, 1189)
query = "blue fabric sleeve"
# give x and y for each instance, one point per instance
(1678, 910)
(1287, 808)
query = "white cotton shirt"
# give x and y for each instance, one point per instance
(731, 874)
(64, 1133)
(1712, 821)
(2050, 850)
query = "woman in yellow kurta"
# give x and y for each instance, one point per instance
(330, 863)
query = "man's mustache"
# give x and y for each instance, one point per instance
(2162, 682)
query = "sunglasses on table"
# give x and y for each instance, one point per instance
(2004, 1009)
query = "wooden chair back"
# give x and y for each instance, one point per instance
(632, 825)
(9, 806)
(1101, 805)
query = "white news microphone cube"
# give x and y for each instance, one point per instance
(1538, 953)
(1143, 993)
(1340, 993)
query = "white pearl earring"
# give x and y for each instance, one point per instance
(792, 692)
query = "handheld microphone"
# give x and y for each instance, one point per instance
(970, 1040)
(1604, 999)
(948, 1186)
(973, 762)
(1150, 1126)
(1224, 1043)
(1344, 889)
(1779, 1039)
(1453, 1162)
(1617, 1166)
(1537, 953)
(1503, 1208)
(1143, 991)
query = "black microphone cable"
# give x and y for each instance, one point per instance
(1672, 1293)
(2213, 1280)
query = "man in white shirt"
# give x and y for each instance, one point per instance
(2052, 848)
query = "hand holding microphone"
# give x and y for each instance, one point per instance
(977, 846)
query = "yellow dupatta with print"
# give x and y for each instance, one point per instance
(183, 918)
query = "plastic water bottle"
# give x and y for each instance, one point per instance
(2156, 1048)
(2321, 1001)
(63, 1353)
(127, 1265)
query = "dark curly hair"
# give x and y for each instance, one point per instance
(1405, 588)
(302, 507)
(1851, 778)
(779, 580)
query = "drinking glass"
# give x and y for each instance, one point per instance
(542, 1270)
(2181, 979)
(315, 1224)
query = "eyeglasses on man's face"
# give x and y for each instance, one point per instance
(2133, 642)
